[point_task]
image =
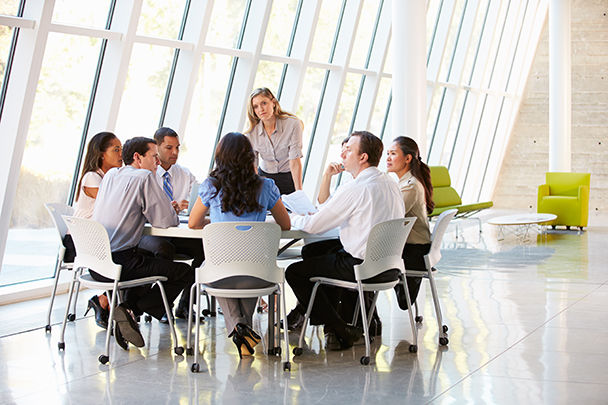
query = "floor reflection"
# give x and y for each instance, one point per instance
(525, 320)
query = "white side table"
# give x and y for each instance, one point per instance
(521, 224)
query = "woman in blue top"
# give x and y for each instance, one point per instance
(235, 192)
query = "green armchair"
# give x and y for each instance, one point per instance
(567, 196)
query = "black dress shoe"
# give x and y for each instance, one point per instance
(120, 339)
(401, 298)
(164, 319)
(129, 328)
(295, 320)
(331, 341)
(349, 336)
(182, 313)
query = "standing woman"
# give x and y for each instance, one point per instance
(104, 152)
(276, 137)
(403, 159)
(233, 191)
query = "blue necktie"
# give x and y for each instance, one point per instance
(167, 187)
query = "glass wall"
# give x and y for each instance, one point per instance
(196, 63)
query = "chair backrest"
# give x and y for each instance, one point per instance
(193, 197)
(444, 194)
(56, 210)
(566, 183)
(92, 247)
(385, 245)
(434, 255)
(240, 249)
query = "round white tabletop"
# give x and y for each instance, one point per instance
(522, 219)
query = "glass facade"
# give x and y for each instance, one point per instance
(108, 65)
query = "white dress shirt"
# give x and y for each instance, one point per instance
(356, 207)
(286, 145)
(128, 197)
(181, 180)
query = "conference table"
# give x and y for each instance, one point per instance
(292, 235)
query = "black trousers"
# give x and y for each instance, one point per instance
(335, 263)
(166, 248)
(136, 264)
(413, 259)
(284, 181)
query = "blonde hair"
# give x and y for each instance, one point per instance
(278, 112)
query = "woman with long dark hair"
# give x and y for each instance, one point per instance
(235, 192)
(276, 137)
(403, 159)
(104, 152)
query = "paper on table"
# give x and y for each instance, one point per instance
(298, 202)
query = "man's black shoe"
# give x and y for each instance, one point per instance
(350, 336)
(128, 327)
(331, 341)
(295, 320)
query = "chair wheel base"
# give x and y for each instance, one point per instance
(443, 341)
(47, 328)
(195, 368)
(418, 319)
(365, 360)
(179, 350)
(287, 366)
(61, 346)
(413, 349)
(71, 317)
(297, 351)
(103, 359)
(189, 351)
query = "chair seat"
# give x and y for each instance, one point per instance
(241, 293)
(353, 286)
(89, 281)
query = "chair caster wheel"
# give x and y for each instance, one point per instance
(418, 319)
(148, 318)
(277, 351)
(189, 351)
(61, 345)
(103, 359)
(297, 351)
(179, 350)
(445, 328)
(195, 368)
(365, 360)
(413, 349)
(206, 312)
(287, 366)
(47, 328)
(552, 226)
(443, 341)
(71, 317)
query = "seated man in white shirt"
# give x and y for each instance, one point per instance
(176, 182)
(127, 197)
(371, 197)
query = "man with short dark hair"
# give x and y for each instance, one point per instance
(127, 197)
(176, 182)
(371, 197)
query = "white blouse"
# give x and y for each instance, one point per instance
(83, 208)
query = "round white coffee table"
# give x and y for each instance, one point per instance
(521, 224)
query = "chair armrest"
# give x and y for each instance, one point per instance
(583, 193)
(543, 190)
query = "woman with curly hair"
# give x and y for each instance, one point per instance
(235, 192)
(276, 137)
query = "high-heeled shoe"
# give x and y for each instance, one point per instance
(101, 314)
(245, 339)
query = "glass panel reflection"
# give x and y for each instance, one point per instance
(84, 13)
(279, 27)
(226, 21)
(50, 155)
(161, 19)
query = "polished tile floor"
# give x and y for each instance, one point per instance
(527, 325)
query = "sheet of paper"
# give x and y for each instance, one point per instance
(298, 202)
